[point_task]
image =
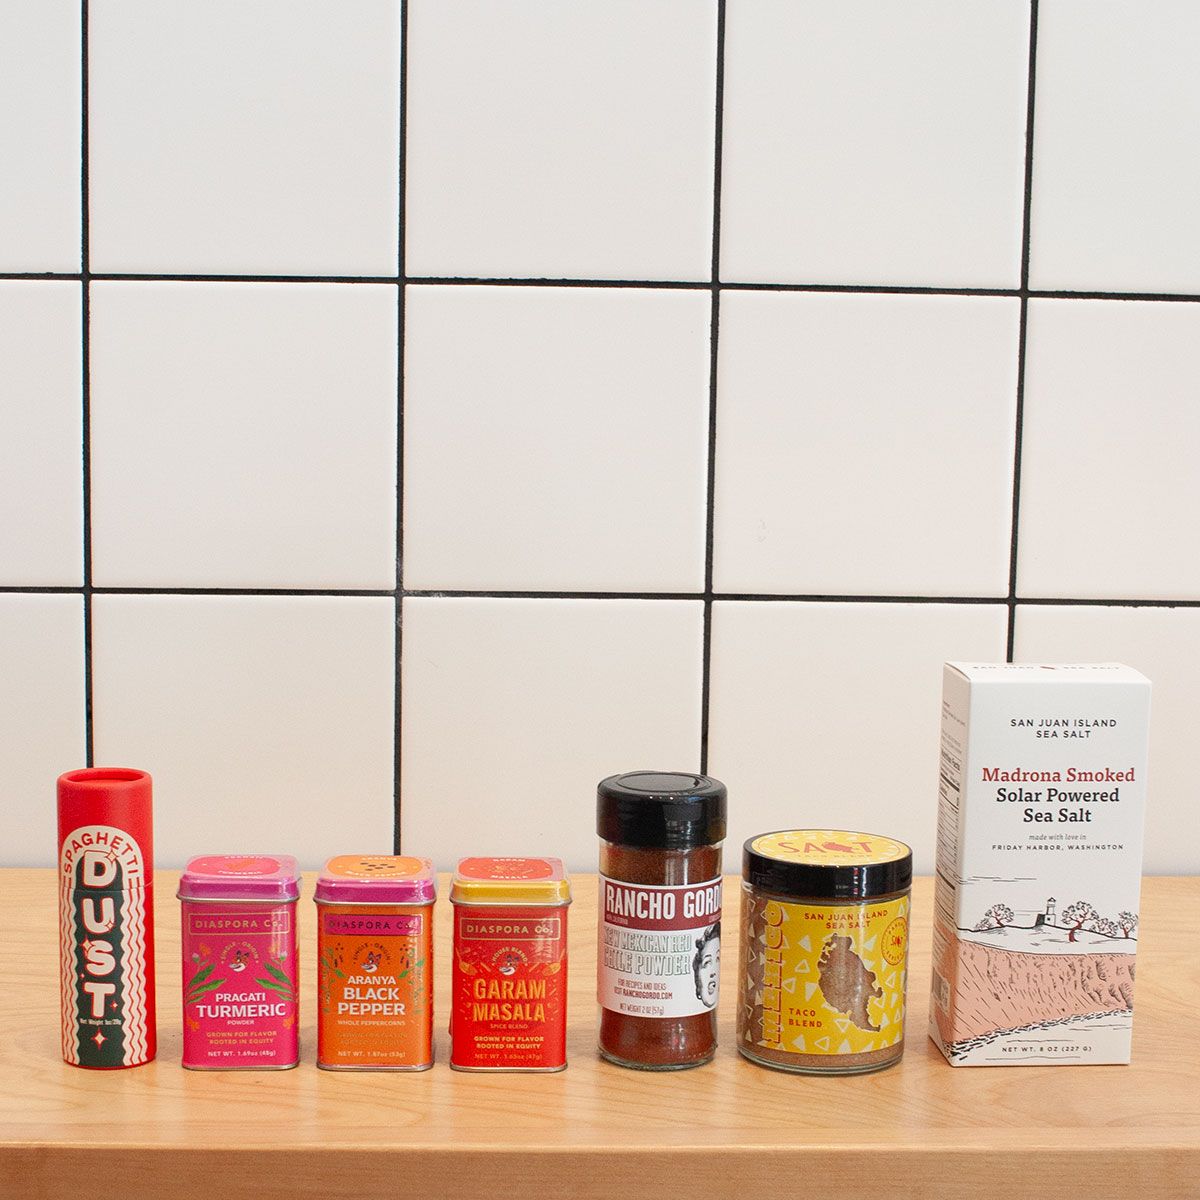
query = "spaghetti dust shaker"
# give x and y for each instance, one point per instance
(509, 983)
(375, 963)
(240, 972)
(106, 917)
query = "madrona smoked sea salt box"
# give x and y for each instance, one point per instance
(1039, 858)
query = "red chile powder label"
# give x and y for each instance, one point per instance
(660, 948)
(509, 988)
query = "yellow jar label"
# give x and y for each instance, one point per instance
(822, 979)
(828, 847)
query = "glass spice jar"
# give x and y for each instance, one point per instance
(823, 951)
(660, 918)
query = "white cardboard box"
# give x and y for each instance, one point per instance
(1039, 860)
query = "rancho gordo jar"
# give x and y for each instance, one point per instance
(375, 963)
(240, 974)
(106, 917)
(824, 950)
(509, 1004)
(660, 918)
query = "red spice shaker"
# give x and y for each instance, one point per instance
(660, 918)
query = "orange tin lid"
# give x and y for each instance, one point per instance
(376, 879)
(510, 881)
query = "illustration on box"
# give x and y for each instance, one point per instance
(1069, 961)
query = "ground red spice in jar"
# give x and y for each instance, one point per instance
(660, 918)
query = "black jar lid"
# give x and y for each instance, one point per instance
(661, 810)
(827, 864)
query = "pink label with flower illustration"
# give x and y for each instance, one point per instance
(240, 986)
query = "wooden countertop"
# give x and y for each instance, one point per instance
(921, 1129)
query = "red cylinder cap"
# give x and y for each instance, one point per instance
(114, 798)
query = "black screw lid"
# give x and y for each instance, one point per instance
(661, 810)
(827, 864)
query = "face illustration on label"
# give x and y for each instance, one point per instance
(707, 965)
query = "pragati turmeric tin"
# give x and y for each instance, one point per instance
(241, 976)
(509, 1003)
(824, 950)
(375, 963)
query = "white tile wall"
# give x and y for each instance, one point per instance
(1109, 485)
(243, 434)
(1164, 644)
(596, 479)
(550, 139)
(829, 714)
(879, 423)
(514, 709)
(265, 721)
(663, 364)
(875, 142)
(41, 716)
(41, 533)
(1115, 186)
(39, 135)
(257, 138)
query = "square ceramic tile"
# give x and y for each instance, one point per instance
(829, 715)
(266, 721)
(555, 438)
(40, 106)
(513, 711)
(41, 718)
(243, 434)
(250, 138)
(874, 142)
(865, 444)
(561, 140)
(41, 406)
(1109, 487)
(1115, 184)
(1164, 644)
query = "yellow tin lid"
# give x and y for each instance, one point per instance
(510, 881)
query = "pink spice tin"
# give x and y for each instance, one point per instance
(240, 969)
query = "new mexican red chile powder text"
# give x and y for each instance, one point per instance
(660, 918)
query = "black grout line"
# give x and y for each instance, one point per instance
(726, 285)
(38, 589)
(480, 594)
(85, 259)
(148, 277)
(386, 593)
(1022, 335)
(401, 252)
(713, 345)
(699, 285)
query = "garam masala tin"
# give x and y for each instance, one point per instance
(509, 991)
(375, 963)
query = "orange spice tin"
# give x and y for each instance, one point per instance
(375, 963)
(509, 990)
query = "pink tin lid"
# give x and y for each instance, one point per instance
(264, 877)
(376, 879)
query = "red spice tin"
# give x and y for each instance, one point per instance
(106, 917)
(509, 985)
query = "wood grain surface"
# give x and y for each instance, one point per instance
(921, 1129)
